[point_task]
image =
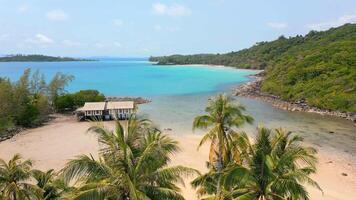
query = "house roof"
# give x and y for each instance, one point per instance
(93, 106)
(120, 105)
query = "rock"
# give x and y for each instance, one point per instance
(331, 132)
(353, 118)
(344, 174)
(252, 89)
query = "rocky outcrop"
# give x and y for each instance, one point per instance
(252, 89)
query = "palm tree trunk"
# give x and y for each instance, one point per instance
(219, 164)
(219, 169)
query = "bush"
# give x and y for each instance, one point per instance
(70, 102)
(64, 103)
(29, 117)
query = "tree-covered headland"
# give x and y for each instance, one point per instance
(319, 67)
(37, 58)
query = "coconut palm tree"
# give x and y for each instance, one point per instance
(277, 168)
(223, 115)
(132, 164)
(52, 185)
(14, 180)
(206, 184)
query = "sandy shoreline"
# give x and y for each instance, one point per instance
(208, 65)
(52, 145)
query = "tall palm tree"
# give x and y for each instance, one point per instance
(223, 115)
(132, 164)
(14, 180)
(277, 168)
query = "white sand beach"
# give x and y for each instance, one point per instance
(52, 145)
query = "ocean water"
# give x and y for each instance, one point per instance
(179, 93)
(133, 78)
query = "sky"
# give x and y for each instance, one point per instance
(139, 28)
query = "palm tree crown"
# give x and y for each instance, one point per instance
(14, 180)
(132, 164)
(222, 116)
(275, 167)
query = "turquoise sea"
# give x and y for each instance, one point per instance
(133, 77)
(179, 93)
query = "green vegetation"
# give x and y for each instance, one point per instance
(71, 101)
(259, 56)
(14, 177)
(321, 71)
(37, 58)
(28, 102)
(319, 67)
(134, 163)
(275, 167)
(222, 116)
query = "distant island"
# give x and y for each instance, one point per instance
(38, 58)
(318, 68)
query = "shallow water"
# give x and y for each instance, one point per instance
(179, 93)
(329, 133)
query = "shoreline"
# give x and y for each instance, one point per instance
(252, 89)
(206, 65)
(53, 144)
(12, 132)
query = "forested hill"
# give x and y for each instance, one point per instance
(319, 67)
(37, 58)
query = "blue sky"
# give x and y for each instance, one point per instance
(144, 27)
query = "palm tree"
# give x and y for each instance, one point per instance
(132, 164)
(52, 185)
(206, 184)
(14, 180)
(278, 166)
(222, 116)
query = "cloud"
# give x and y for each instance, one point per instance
(171, 10)
(118, 22)
(70, 43)
(117, 44)
(157, 27)
(57, 15)
(40, 39)
(277, 25)
(23, 8)
(351, 18)
(173, 29)
(99, 45)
